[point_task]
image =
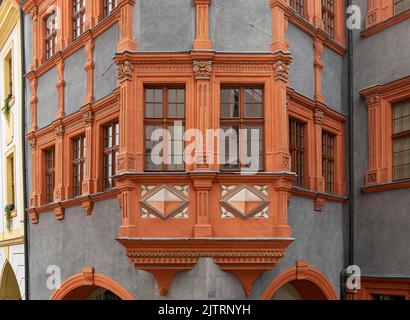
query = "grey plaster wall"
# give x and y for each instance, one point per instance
(105, 72)
(320, 238)
(75, 82)
(47, 98)
(81, 241)
(230, 25)
(333, 79)
(28, 41)
(301, 70)
(164, 25)
(382, 222)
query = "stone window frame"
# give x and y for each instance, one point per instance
(379, 101)
(380, 15)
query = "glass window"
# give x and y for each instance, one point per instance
(297, 150)
(79, 152)
(50, 175)
(328, 160)
(165, 112)
(328, 16)
(109, 6)
(242, 112)
(401, 140)
(298, 6)
(51, 34)
(110, 153)
(78, 18)
(401, 6)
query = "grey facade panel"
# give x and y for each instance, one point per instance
(81, 241)
(301, 70)
(75, 82)
(382, 222)
(164, 25)
(105, 71)
(230, 25)
(47, 98)
(28, 41)
(333, 77)
(319, 238)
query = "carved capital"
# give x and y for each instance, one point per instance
(373, 100)
(34, 14)
(281, 70)
(318, 117)
(202, 70)
(59, 130)
(125, 71)
(88, 117)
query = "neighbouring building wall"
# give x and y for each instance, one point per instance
(382, 221)
(12, 273)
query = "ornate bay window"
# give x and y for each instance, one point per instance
(382, 14)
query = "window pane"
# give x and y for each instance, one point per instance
(230, 103)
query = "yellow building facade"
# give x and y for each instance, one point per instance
(12, 271)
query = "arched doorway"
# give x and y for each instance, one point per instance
(9, 288)
(300, 283)
(91, 286)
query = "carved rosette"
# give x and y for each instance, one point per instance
(202, 70)
(125, 71)
(281, 70)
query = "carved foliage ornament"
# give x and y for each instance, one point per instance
(202, 69)
(373, 100)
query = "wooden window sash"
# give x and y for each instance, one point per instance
(109, 6)
(328, 160)
(297, 151)
(78, 17)
(328, 16)
(51, 35)
(164, 123)
(78, 163)
(110, 151)
(242, 122)
(50, 175)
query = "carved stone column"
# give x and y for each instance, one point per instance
(318, 67)
(203, 186)
(129, 158)
(88, 183)
(281, 158)
(202, 40)
(60, 85)
(89, 69)
(126, 42)
(279, 25)
(318, 184)
(59, 189)
(203, 74)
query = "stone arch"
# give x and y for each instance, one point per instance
(9, 287)
(310, 283)
(80, 286)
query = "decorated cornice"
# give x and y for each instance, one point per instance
(165, 258)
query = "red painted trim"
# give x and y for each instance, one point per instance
(303, 278)
(81, 285)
